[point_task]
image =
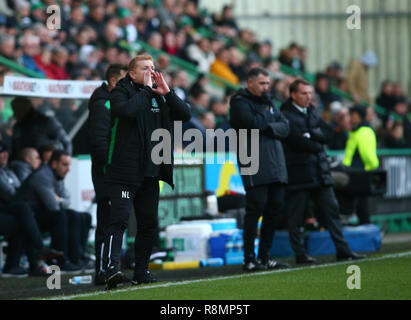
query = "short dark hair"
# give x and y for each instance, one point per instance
(255, 72)
(19, 102)
(360, 110)
(57, 154)
(46, 147)
(114, 70)
(296, 83)
(320, 76)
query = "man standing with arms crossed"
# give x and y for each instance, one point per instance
(137, 109)
(98, 136)
(309, 174)
(252, 108)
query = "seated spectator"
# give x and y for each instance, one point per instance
(220, 109)
(31, 48)
(44, 192)
(334, 72)
(225, 24)
(280, 90)
(33, 129)
(199, 84)
(8, 47)
(20, 225)
(199, 102)
(27, 161)
(162, 63)
(200, 52)
(398, 92)
(167, 14)
(179, 83)
(237, 60)
(322, 89)
(395, 137)
(221, 68)
(152, 21)
(45, 152)
(111, 36)
(285, 57)
(341, 127)
(400, 110)
(20, 229)
(43, 61)
(386, 98)
(191, 11)
(155, 40)
(128, 30)
(290, 57)
(246, 40)
(75, 23)
(170, 43)
(96, 18)
(227, 18)
(207, 119)
(59, 56)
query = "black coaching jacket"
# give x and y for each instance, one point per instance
(99, 125)
(248, 111)
(136, 111)
(307, 163)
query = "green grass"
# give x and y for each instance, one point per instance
(385, 278)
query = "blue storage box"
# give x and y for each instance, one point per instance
(229, 246)
(364, 238)
(223, 224)
(217, 243)
(281, 246)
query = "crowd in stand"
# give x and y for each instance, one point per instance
(95, 33)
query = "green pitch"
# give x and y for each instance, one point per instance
(380, 277)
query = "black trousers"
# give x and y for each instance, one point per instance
(56, 223)
(19, 225)
(145, 199)
(326, 206)
(69, 231)
(103, 213)
(79, 224)
(11, 229)
(266, 201)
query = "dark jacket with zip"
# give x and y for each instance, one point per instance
(99, 125)
(136, 111)
(307, 163)
(248, 111)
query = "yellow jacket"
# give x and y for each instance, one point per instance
(361, 149)
(223, 70)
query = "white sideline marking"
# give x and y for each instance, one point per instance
(244, 275)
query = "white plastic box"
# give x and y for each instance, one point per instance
(189, 240)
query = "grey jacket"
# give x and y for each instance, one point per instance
(41, 188)
(9, 183)
(21, 169)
